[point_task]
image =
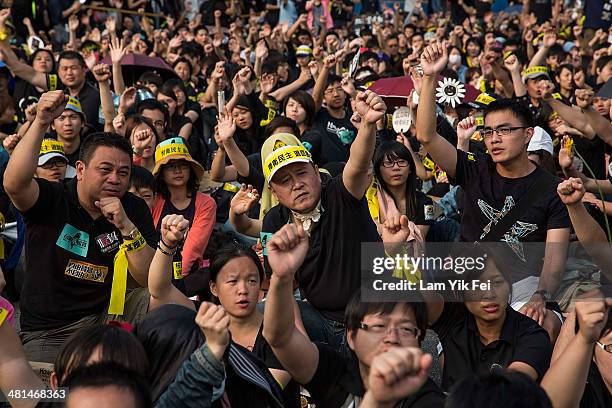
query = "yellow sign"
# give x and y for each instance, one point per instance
(86, 271)
(171, 149)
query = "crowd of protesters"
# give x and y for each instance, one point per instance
(188, 188)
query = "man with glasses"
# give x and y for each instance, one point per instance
(494, 184)
(52, 163)
(385, 366)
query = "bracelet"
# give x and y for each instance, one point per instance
(161, 239)
(131, 235)
(135, 244)
(3, 35)
(165, 252)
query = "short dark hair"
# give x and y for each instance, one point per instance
(332, 79)
(72, 55)
(112, 375)
(142, 178)
(356, 310)
(185, 61)
(507, 388)
(602, 62)
(153, 104)
(151, 77)
(518, 109)
(232, 251)
(116, 345)
(103, 139)
(281, 121)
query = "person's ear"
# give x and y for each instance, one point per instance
(213, 288)
(80, 170)
(530, 132)
(53, 380)
(350, 341)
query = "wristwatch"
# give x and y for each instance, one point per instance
(544, 294)
(132, 234)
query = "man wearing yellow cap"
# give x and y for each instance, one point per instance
(82, 236)
(335, 215)
(69, 127)
(52, 163)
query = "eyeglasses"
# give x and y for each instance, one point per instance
(177, 166)
(59, 164)
(390, 164)
(501, 131)
(403, 331)
(605, 347)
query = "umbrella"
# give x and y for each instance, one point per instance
(395, 87)
(401, 87)
(133, 65)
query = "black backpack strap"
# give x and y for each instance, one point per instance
(504, 224)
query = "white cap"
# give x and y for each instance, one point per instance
(540, 140)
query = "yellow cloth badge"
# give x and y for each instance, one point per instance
(3, 315)
(177, 268)
(120, 268)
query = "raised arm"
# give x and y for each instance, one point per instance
(19, 180)
(102, 73)
(573, 116)
(566, 160)
(117, 51)
(173, 230)
(513, 65)
(588, 231)
(299, 356)
(21, 69)
(281, 93)
(371, 108)
(550, 38)
(240, 205)
(600, 125)
(433, 60)
(15, 371)
(565, 379)
(321, 82)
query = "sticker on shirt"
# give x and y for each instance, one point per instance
(108, 242)
(73, 240)
(429, 212)
(264, 237)
(86, 271)
(177, 268)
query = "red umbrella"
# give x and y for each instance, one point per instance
(133, 65)
(395, 87)
(401, 87)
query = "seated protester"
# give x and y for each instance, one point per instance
(185, 106)
(178, 178)
(43, 61)
(397, 188)
(479, 330)
(177, 125)
(74, 231)
(248, 112)
(332, 132)
(143, 185)
(300, 107)
(106, 383)
(89, 345)
(171, 333)
(69, 129)
(385, 364)
(272, 94)
(494, 184)
(580, 374)
(157, 113)
(328, 277)
(71, 76)
(500, 388)
(184, 70)
(52, 163)
(142, 134)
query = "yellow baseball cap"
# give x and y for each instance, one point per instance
(49, 149)
(282, 149)
(175, 149)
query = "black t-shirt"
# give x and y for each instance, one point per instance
(329, 139)
(69, 256)
(424, 209)
(337, 383)
(24, 89)
(594, 154)
(89, 97)
(489, 195)
(596, 394)
(542, 9)
(522, 339)
(330, 274)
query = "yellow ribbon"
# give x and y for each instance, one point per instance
(120, 268)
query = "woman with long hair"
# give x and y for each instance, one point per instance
(300, 107)
(177, 125)
(178, 178)
(398, 188)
